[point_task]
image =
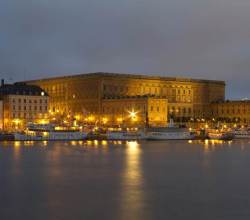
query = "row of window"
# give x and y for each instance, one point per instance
(19, 100)
(120, 89)
(24, 108)
(25, 115)
(229, 111)
(180, 110)
(157, 109)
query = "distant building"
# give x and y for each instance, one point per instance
(20, 104)
(90, 95)
(231, 111)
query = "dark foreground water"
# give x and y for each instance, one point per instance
(125, 180)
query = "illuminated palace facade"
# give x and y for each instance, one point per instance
(234, 111)
(127, 98)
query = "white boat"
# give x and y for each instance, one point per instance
(242, 133)
(216, 134)
(125, 135)
(48, 132)
(171, 132)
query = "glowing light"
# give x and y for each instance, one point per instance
(43, 121)
(73, 143)
(119, 120)
(42, 93)
(16, 121)
(104, 143)
(91, 118)
(17, 143)
(45, 134)
(132, 114)
(77, 117)
(104, 120)
(132, 144)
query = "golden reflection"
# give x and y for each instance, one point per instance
(17, 149)
(132, 182)
(210, 145)
(104, 143)
(206, 146)
(73, 143)
(89, 143)
(28, 143)
(17, 144)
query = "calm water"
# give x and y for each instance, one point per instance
(125, 180)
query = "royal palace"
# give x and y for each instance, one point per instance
(112, 98)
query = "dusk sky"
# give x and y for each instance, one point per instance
(191, 38)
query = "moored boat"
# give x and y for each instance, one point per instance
(125, 135)
(242, 133)
(48, 132)
(216, 134)
(171, 132)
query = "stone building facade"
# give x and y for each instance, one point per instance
(231, 111)
(139, 110)
(86, 94)
(22, 104)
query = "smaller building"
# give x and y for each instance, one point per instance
(237, 112)
(22, 104)
(135, 111)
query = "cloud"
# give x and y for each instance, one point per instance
(195, 38)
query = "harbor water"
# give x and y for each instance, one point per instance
(130, 180)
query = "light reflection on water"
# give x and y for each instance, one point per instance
(168, 180)
(132, 182)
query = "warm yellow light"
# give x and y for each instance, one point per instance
(77, 117)
(132, 144)
(42, 93)
(104, 120)
(206, 126)
(16, 121)
(43, 121)
(132, 114)
(45, 134)
(104, 143)
(91, 118)
(119, 119)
